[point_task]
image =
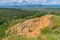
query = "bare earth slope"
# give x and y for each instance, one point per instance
(31, 27)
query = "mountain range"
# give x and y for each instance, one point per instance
(29, 6)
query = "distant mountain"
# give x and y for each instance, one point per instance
(29, 6)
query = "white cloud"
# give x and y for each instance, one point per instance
(45, 2)
(18, 1)
(51, 2)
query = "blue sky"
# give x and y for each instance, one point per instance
(23, 2)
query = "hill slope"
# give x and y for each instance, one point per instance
(44, 28)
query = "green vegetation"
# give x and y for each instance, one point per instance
(10, 17)
(53, 31)
(30, 31)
